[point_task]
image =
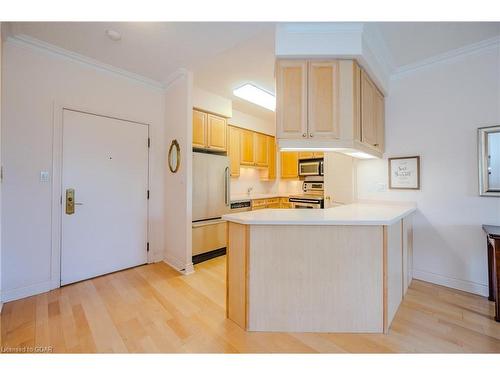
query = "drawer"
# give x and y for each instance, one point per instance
(273, 200)
(274, 205)
(284, 200)
(259, 203)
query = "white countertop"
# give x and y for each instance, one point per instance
(350, 214)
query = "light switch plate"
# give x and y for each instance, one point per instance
(44, 176)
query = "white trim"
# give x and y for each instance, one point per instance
(56, 224)
(178, 265)
(37, 44)
(26, 291)
(450, 282)
(446, 56)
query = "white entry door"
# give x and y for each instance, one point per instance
(105, 164)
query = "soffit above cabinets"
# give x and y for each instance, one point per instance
(336, 40)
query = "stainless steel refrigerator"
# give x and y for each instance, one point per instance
(211, 200)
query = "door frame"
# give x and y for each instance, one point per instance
(57, 151)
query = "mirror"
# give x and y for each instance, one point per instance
(489, 161)
(174, 156)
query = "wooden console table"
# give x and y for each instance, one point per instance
(493, 242)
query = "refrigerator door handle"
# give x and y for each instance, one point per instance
(227, 198)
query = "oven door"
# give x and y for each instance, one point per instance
(310, 168)
(304, 203)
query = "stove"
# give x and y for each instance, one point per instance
(313, 197)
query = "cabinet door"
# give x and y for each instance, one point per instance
(291, 99)
(217, 132)
(306, 155)
(271, 154)
(368, 125)
(356, 97)
(289, 165)
(199, 129)
(379, 117)
(260, 147)
(247, 145)
(323, 99)
(234, 150)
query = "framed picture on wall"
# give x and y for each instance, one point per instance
(404, 172)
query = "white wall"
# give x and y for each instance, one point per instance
(246, 121)
(208, 101)
(33, 81)
(434, 112)
(178, 186)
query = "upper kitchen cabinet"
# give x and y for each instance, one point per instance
(372, 114)
(209, 131)
(289, 164)
(307, 99)
(261, 150)
(328, 104)
(323, 99)
(199, 129)
(234, 150)
(291, 99)
(271, 168)
(247, 156)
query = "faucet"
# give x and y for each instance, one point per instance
(249, 190)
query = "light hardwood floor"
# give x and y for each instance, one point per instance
(154, 309)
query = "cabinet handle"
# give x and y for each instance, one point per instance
(311, 135)
(304, 135)
(375, 144)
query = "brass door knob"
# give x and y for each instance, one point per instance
(304, 135)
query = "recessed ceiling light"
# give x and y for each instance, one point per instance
(256, 95)
(113, 35)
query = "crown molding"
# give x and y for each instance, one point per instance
(446, 56)
(39, 45)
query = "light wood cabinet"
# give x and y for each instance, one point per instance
(343, 109)
(209, 131)
(199, 129)
(261, 150)
(271, 155)
(289, 164)
(217, 133)
(291, 99)
(306, 155)
(372, 113)
(234, 150)
(323, 99)
(310, 155)
(247, 147)
(307, 99)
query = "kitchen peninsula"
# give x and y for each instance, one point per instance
(341, 269)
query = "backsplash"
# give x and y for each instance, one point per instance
(250, 178)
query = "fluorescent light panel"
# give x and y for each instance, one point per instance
(256, 95)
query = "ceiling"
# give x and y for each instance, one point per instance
(224, 56)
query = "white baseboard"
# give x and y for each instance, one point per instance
(26, 291)
(178, 265)
(450, 282)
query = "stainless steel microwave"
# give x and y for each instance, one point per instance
(311, 167)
